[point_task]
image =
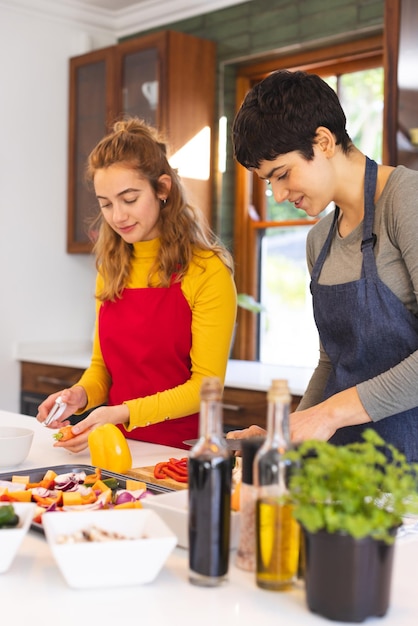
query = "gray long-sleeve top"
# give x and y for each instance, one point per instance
(396, 253)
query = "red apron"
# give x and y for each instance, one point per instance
(145, 338)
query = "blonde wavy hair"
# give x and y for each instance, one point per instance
(184, 230)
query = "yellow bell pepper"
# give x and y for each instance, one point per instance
(109, 449)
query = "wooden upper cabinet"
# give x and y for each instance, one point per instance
(167, 79)
(401, 83)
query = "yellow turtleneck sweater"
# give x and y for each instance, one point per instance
(210, 291)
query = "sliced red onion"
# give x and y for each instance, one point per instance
(43, 492)
(51, 507)
(66, 482)
(123, 496)
(10, 486)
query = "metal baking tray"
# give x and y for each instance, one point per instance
(36, 474)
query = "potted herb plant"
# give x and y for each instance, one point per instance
(349, 501)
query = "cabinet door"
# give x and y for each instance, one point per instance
(167, 79)
(92, 108)
(401, 84)
(140, 84)
(407, 144)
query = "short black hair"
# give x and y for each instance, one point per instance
(282, 113)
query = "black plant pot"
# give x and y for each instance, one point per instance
(347, 579)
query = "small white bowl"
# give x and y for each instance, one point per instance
(112, 563)
(11, 538)
(173, 508)
(15, 443)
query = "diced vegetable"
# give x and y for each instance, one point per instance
(20, 479)
(100, 485)
(133, 485)
(20, 496)
(50, 475)
(111, 483)
(8, 516)
(71, 498)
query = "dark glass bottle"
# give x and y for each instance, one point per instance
(277, 532)
(210, 481)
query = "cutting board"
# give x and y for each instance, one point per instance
(147, 474)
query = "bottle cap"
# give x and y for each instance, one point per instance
(211, 388)
(279, 388)
(249, 448)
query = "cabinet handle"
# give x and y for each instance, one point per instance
(50, 380)
(232, 407)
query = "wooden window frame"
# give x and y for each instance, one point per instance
(342, 58)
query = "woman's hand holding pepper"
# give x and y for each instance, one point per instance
(118, 414)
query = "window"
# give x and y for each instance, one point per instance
(270, 238)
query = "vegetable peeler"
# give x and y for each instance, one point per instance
(56, 411)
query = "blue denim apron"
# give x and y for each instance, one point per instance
(365, 330)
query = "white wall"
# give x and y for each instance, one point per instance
(46, 294)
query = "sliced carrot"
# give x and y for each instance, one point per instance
(45, 483)
(64, 433)
(46, 501)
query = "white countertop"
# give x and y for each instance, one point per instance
(258, 376)
(35, 592)
(240, 374)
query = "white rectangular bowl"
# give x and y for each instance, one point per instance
(11, 538)
(173, 508)
(114, 563)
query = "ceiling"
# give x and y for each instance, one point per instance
(120, 17)
(116, 5)
(203, 6)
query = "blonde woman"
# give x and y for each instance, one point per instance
(165, 299)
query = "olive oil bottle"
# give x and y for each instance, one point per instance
(277, 532)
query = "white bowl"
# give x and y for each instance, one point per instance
(173, 508)
(11, 538)
(15, 443)
(112, 563)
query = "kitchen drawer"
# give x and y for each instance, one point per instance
(39, 380)
(244, 407)
(46, 379)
